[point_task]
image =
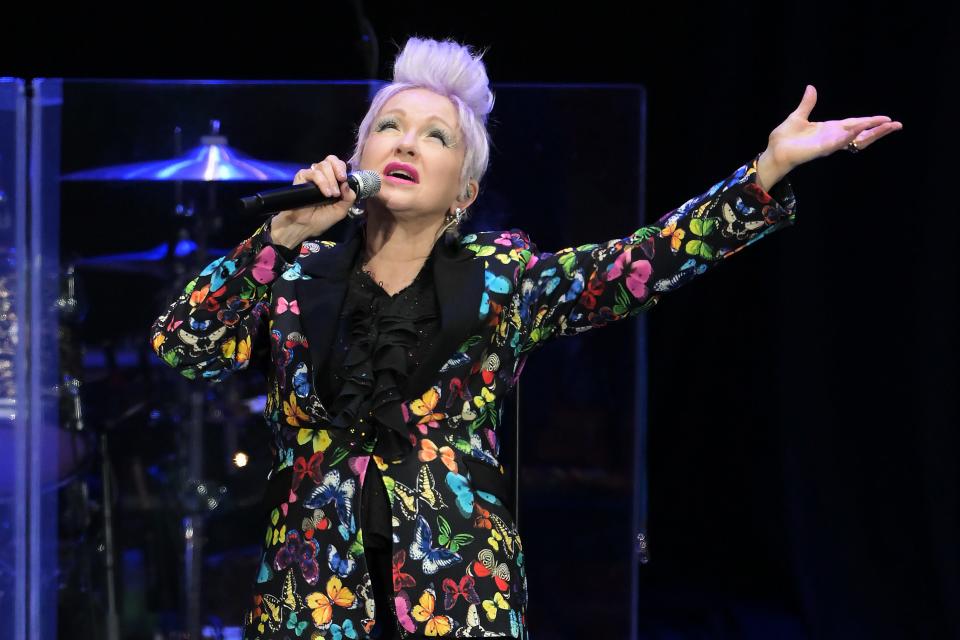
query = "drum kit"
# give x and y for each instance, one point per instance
(180, 458)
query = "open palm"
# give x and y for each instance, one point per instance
(797, 140)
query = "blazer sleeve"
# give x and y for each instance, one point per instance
(578, 288)
(220, 321)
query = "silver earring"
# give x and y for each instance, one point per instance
(355, 212)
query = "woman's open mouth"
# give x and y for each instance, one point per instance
(398, 180)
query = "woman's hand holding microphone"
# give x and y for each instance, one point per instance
(291, 227)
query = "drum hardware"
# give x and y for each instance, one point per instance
(113, 621)
(212, 161)
(202, 496)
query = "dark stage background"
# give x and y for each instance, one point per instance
(807, 485)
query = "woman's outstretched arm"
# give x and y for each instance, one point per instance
(579, 288)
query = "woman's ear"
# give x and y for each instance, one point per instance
(470, 194)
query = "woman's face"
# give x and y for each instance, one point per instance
(421, 129)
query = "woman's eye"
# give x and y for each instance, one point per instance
(436, 133)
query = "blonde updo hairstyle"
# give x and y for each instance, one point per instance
(452, 70)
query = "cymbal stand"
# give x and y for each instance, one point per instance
(201, 497)
(113, 620)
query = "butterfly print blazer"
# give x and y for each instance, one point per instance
(458, 562)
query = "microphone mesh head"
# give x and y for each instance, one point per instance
(364, 183)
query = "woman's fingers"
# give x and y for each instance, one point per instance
(325, 178)
(875, 129)
(869, 121)
(329, 175)
(340, 167)
(807, 103)
(347, 194)
(874, 134)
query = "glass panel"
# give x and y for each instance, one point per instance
(171, 507)
(54, 445)
(568, 170)
(14, 417)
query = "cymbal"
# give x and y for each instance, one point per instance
(212, 160)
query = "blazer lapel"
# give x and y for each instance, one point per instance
(321, 296)
(458, 278)
(459, 281)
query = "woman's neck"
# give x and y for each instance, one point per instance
(388, 240)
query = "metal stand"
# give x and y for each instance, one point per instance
(113, 620)
(193, 522)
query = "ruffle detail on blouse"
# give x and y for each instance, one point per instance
(376, 366)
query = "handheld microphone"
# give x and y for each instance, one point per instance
(364, 183)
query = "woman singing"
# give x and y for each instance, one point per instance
(388, 355)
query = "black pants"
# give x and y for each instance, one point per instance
(381, 578)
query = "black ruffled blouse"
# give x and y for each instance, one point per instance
(380, 342)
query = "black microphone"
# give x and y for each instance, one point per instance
(364, 183)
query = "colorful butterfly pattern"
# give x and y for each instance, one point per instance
(458, 559)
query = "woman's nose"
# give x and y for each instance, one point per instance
(408, 143)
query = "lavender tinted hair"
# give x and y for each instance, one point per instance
(452, 70)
